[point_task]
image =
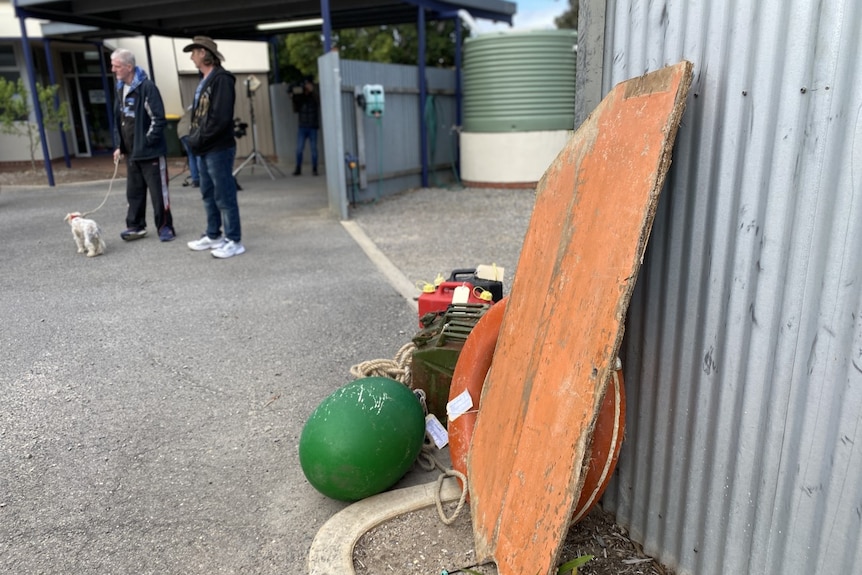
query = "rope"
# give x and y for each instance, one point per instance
(397, 368)
(110, 186)
(428, 462)
(461, 500)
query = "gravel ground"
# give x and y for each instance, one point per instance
(486, 226)
(419, 543)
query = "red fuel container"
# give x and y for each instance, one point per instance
(441, 298)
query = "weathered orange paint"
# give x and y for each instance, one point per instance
(563, 325)
(470, 373)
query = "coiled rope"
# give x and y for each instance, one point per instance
(397, 368)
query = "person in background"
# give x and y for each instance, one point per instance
(140, 131)
(211, 138)
(183, 127)
(306, 106)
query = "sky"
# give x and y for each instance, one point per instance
(531, 15)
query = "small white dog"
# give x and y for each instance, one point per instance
(87, 234)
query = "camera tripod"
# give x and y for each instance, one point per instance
(255, 157)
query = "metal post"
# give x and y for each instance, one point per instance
(52, 79)
(273, 51)
(590, 62)
(327, 26)
(459, 96)
(423, 89)
(31, 72)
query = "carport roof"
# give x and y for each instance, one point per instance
(236, 19)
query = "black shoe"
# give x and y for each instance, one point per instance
(297, 172)
(131, 234)
(314, 171)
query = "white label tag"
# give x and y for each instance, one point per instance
(436, 430)
(461, 295)
(492, 272)
(459, 406)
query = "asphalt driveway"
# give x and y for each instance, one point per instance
(152, 399)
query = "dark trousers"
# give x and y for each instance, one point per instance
(193, 161)
(302, 135)
(144, 174)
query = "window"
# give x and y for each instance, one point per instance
(8, 66)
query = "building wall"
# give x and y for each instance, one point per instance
(743, 346)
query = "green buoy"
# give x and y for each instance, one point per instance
(362, 439)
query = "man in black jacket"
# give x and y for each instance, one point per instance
(211, 138)
(140, 131)
(307, 108)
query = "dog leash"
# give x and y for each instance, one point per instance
(110, 186)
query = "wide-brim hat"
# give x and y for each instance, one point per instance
(207, 43)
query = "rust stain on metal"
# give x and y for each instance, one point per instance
(562, 328)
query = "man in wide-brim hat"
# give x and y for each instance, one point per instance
(206, 43)
(211, 137)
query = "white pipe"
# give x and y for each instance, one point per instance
(468, 19)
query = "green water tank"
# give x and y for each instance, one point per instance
(519, 81)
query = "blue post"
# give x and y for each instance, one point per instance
(52, 79)
(31, 72)
(327, 26)
(459, 96)
(423, 89)
(273, 50)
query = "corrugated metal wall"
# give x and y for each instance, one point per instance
(743, 350)
(392, 144)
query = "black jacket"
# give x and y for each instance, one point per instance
(306, 106)
(212, 115)
(140, 119)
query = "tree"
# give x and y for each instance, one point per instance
(569, 18)
(389, 44)
(15, 112)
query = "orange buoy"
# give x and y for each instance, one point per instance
(472, 367)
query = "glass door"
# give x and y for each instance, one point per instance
(82, 147)
(94, 105)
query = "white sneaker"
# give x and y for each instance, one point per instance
(206, 243)
(228, 250)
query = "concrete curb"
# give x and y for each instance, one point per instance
(393, 275)
(331, 551)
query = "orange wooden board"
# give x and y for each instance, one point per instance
(564, 322)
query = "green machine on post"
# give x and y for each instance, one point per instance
(374, 99)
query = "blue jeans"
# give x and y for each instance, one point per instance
(193, 160)
(302, 135)
(218, 190)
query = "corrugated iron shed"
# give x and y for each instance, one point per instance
(743, 352)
